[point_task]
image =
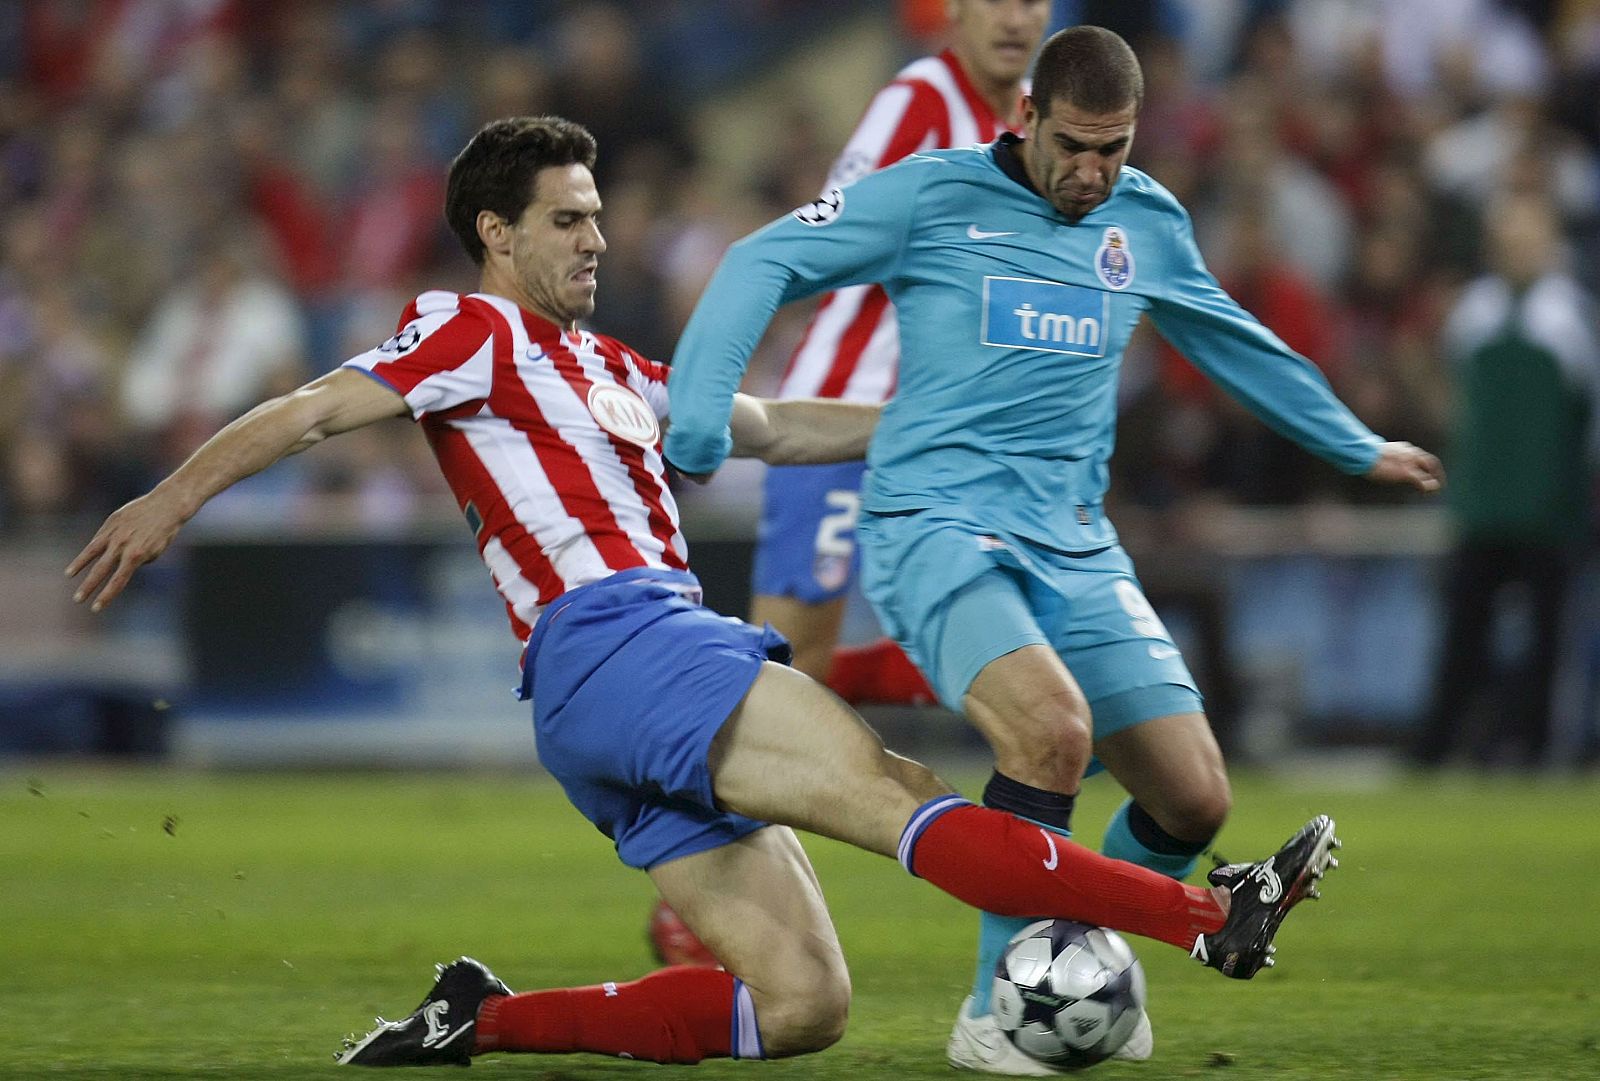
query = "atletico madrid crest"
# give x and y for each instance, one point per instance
(831, 571)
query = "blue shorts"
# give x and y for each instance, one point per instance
(957, 596)
(806, 547)
(631, 680)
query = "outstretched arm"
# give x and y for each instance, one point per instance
(141, 530)
(1258, 370)
(801, 431)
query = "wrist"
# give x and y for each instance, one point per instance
(696, 452)
(180, 500)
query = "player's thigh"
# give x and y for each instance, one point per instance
(792, 752)
(756, 904)
(1136, 682)
(811, 628)
(939, 588)
(1173, 767)
(913, 567)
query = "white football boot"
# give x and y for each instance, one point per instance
(976, 1043)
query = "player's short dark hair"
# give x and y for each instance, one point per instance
(495, 171)
(1089, 67)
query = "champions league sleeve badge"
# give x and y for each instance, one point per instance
(824, 210)
(403, 342)
(1113, 262)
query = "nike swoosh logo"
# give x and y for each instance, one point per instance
(1161, 653)
(978, 234)
(1050, 864)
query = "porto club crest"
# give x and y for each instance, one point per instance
(1113, 261)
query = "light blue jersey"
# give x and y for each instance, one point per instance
(1013, 321)
(982, 525)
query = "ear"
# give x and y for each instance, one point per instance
(495, 232)
(1030, 114)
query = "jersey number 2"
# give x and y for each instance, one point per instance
(836, 531)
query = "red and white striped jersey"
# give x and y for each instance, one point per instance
(853, 343)
(551, 441)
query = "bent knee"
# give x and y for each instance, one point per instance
(1197, 813)
(800, 1019)
(1051, 743)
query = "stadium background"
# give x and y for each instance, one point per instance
(236, 195)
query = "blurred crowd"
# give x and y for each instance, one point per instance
(207, 201)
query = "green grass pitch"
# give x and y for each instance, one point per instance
(162, 924)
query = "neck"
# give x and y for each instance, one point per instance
(496, 283)
(1005, 100)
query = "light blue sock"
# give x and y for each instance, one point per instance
(995, 931)
(993, 934)
(1120, 844)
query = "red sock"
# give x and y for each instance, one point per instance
(879, 673)
(1005, 865)
(677, 1015)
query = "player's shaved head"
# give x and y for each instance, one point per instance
(497, 169)
(1089, 67)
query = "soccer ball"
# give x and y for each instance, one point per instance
(1068, 994)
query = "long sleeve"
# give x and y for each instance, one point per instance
(1252, 364)
(850, 235)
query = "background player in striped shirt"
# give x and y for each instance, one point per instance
(670, 727)
(806, 557)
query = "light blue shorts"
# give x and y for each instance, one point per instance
(957, 596)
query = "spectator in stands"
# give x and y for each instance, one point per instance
(1527, 355)
(392, 223)
(512, 80)
(223, 338)
(602, 84)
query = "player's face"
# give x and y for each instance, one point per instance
(997, 38)
(1523, 237)
(556, 244)
(1073, 157)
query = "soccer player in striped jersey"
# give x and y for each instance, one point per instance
(806, 556)
(676, 731)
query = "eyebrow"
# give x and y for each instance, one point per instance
(1076, 145)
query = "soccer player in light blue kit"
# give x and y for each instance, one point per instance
(1019, 270)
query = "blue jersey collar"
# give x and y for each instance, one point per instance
(1004, 152)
